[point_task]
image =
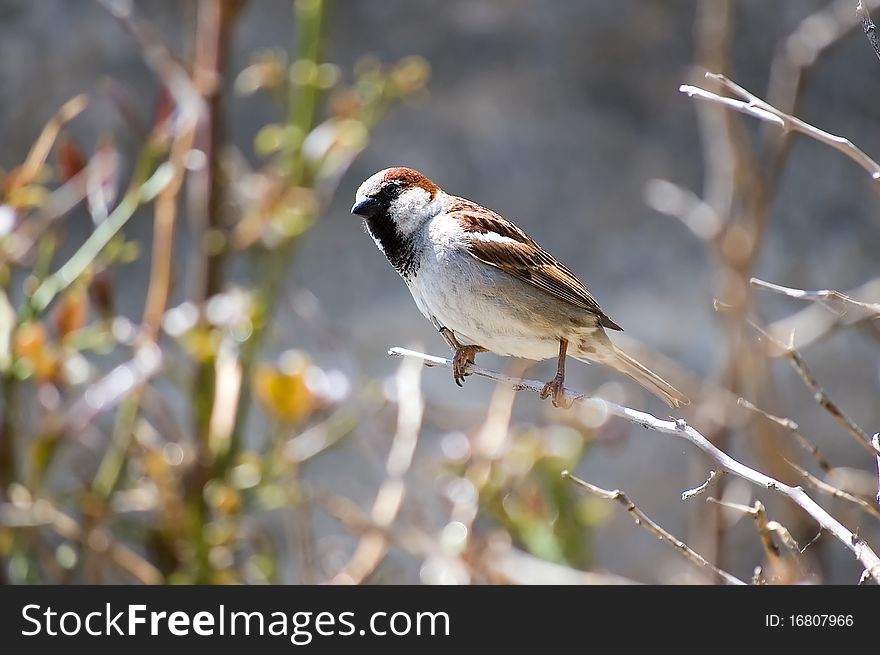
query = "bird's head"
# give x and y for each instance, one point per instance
(402, 196)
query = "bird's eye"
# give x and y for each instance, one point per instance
(389, 192)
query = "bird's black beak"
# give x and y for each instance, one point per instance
(366, 207)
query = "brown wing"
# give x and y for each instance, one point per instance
(523, 259)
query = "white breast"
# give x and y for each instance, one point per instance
(476, 301)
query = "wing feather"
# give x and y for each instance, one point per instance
(511, 250)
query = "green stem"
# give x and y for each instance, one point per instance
(113, 462)
(139, 193)
(303, 103)
(303, 99)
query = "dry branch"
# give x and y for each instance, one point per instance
(821, 318)
(822, 295)
(793, 429)
(819, 394)
(766, 530)
(644, 521)
(679, 428)
(868, 26)
(752, 105)
(835, 492)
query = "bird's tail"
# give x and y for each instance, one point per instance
(622, 362)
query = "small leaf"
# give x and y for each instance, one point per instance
(285, 394)
(72, 312)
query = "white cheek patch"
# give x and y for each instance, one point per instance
(412, 208)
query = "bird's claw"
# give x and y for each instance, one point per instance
(461, 363)
(555, 390)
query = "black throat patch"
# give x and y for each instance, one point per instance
(401, 252)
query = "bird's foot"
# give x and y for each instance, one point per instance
(450, 339)
(462, 361)
(555, 390)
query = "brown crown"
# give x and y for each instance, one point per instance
(408, 177)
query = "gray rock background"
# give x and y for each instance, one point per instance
(555, 114)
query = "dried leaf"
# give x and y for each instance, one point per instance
(71, 159)
(72, 312)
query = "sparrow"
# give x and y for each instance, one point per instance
(487, 286)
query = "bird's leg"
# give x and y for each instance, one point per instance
(449, 337)
(556, 386)
(464, 357)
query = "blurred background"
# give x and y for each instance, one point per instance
(193, 328)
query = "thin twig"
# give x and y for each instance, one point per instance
(752, 105)
(696, 491)
(140, 193)
(163, 237)
(868, 25)
(819, 394)
(766, 530)
(815, 321)
(643, 520)
(678, 428)
(821, 295)
(793, 429)
(835, 492)
(43, 145)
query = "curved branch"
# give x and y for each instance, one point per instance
(679, 428)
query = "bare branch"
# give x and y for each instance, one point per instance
(752, 105)
(43, 145)
(766, 530)
(870, 30)
(819, 395)
(835, 492)
(748, 108)
(815, 321)
(793, 429)
(642, 519)
(679, 428)
(822, 295)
